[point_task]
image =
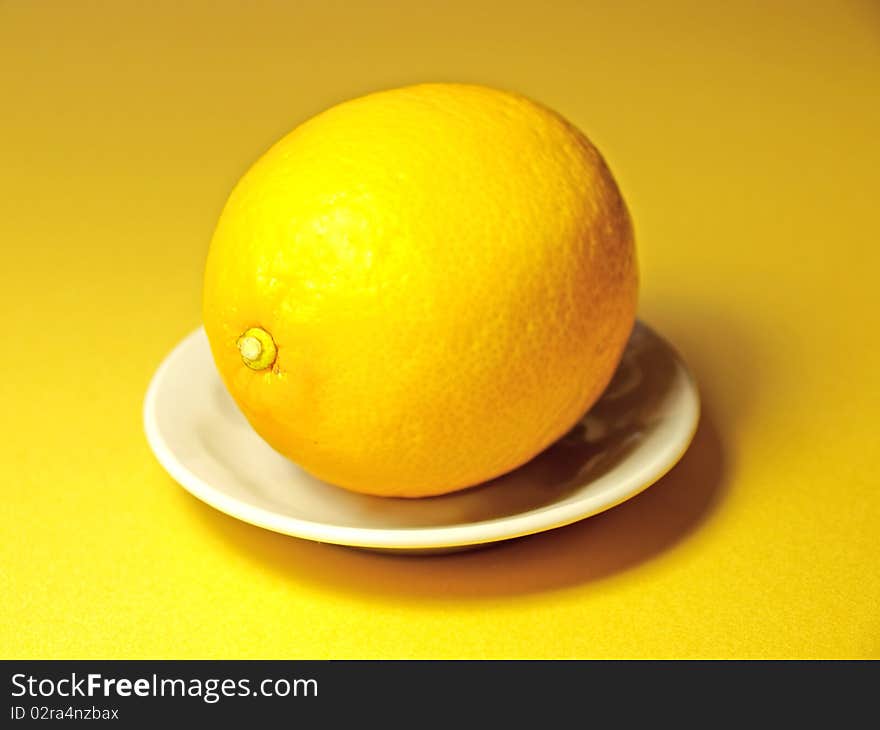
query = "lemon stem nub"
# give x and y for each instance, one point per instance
(257, 348)
(250, 347)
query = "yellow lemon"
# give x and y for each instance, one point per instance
(420, 289)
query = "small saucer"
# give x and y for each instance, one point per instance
(634, 434)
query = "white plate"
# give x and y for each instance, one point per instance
(640, 427)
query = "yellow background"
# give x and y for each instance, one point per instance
(746, 138)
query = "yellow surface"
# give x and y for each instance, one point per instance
(745, 139)
(448, 273)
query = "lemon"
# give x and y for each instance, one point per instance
(421, 289)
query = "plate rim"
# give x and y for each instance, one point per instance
(416, 538)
